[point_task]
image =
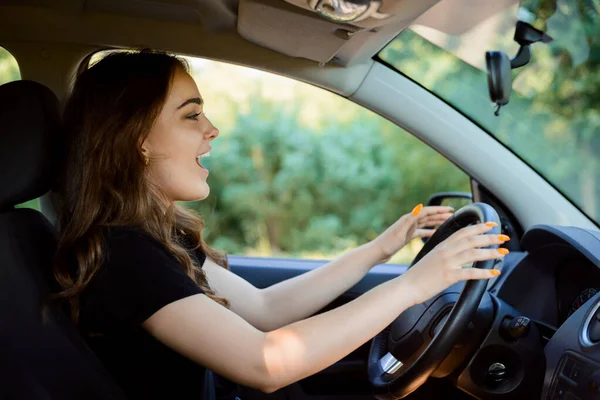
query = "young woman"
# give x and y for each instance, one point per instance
(157, 304)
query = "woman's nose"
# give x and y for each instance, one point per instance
(211, 133)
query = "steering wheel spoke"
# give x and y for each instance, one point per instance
(389, 364)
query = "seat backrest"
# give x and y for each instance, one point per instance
(41, 355)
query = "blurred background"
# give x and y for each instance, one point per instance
(300, 172)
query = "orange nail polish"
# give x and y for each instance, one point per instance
(504, 238)
(495, 272)
(417, 210)
(491, 224)
(503, 251)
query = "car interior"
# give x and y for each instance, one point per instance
(532, 332)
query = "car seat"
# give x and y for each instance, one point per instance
(41, 356)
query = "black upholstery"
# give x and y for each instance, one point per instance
(41, 357)
(28, 125)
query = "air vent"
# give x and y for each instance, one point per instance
(594, 328)
(590, 333)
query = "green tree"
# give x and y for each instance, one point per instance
(283, 189)
(9, 70)
(553, 118)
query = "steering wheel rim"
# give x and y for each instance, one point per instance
(407, 379)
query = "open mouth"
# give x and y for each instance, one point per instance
(199, 157)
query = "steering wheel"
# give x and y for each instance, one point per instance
(394, 379)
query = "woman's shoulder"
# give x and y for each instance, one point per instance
(138, 276)
(128, 236)
(132, 242)
(126, 244)
(126, 233)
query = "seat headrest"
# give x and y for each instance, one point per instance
(29, 126)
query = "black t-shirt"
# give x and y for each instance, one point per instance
(139, 277)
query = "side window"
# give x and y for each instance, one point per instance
(9, 69)
(300, 172)
(9, 72)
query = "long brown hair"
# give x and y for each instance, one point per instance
(112, 107)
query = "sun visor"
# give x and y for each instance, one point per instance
(293, 28)
(382, 13)
(288, 30)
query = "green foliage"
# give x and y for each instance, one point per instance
(287, 180)
(35, 204)
(553, 118)
(280, 188)
(9, 70)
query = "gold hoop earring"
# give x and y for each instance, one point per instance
(146, 160)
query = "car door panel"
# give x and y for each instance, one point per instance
(264, 272)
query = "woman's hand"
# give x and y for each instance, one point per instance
(443, 265)
(411, 226)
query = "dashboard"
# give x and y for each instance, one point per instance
(577, 281)
(556, 283)
(554, 278)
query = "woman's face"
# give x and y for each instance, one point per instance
(179, 136)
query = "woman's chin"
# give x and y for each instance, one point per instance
(200, 193)
(203, 191)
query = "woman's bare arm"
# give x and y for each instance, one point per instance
(221, 340)
(296, 298)
(304, 295)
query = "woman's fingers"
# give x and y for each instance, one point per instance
(473, 255)
(434, 220)
(443, 265)
(464, 274)
(478, 241)
(428, 211)
(423, 233)
(430, 216)
(472, 230)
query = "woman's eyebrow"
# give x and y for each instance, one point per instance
(194, 100)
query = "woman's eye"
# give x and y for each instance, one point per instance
(194, 116)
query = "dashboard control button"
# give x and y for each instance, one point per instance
(496, 374)
(515, 328)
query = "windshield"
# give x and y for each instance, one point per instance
(553, 119)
